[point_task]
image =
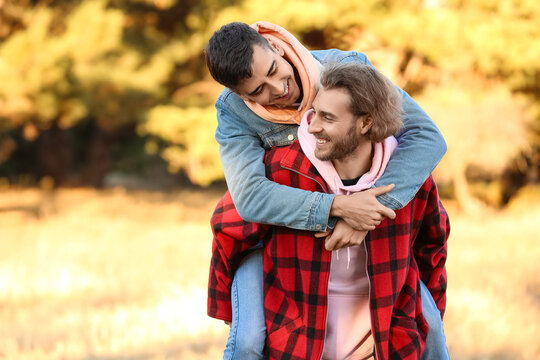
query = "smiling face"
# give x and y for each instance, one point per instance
(338, 131)
(273, 80)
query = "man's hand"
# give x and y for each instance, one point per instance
(342, 236)
(362, 210)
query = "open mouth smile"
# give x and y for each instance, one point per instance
(322, 141)
(286, 94)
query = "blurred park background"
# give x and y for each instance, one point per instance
(109, 170)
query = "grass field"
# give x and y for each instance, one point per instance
(116, 275)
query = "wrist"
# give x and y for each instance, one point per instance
(338, 206)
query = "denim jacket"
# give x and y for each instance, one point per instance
(244, 137)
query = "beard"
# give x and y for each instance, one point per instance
(340, 147)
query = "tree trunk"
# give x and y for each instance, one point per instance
(468, 203)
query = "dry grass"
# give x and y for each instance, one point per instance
(494, 288)
(88, 274)
(111, 275)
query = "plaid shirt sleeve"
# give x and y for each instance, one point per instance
(396, 265)
(430, 248)
(232, 241)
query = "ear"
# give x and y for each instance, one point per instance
(365, 124)
(276, 47)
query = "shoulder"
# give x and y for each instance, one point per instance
(336, 55)
(228, 99)
(232, 113)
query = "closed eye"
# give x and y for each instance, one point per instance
(274, 70)
(327, 117)
(257, 92)
(271, 71)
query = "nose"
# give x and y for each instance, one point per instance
(314, 124)
(276, 87)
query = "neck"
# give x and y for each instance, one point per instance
(355, 164)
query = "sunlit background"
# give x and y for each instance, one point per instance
(109, 170)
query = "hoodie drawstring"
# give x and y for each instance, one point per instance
(348, 256)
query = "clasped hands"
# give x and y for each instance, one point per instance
(358, 213)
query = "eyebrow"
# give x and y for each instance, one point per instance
(270, 70)
(328, 114)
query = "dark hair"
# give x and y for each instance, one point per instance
(229, 53)
(371, 93)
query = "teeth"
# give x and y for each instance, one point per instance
(321, 141)
(286, 90)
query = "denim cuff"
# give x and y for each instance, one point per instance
(320, 212)
(332, 222)
(390, 202)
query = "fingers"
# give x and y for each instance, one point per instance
(382, 189)
(336, 245)
(361, 236)
(355, 240)
(330, 243)
(368, 225)
(389, 213)
(379, 217)
(323, 234)
(383, 210)
(335, 242)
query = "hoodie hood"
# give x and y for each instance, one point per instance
(381, 155)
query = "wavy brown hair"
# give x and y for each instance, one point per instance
(372, 94)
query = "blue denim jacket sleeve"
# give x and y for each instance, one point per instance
(256, 198)
(420, 148)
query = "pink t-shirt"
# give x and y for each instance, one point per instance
(348, 323)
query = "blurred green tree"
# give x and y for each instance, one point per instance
(130, 67)
(104, 63)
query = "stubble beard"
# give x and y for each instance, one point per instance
(340, 148)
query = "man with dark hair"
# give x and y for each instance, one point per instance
(371, 301)
(261, 108)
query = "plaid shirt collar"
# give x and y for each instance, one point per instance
(295, 160)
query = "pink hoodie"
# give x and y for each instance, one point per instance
(348, 325)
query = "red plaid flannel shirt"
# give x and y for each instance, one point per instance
(297, 267)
